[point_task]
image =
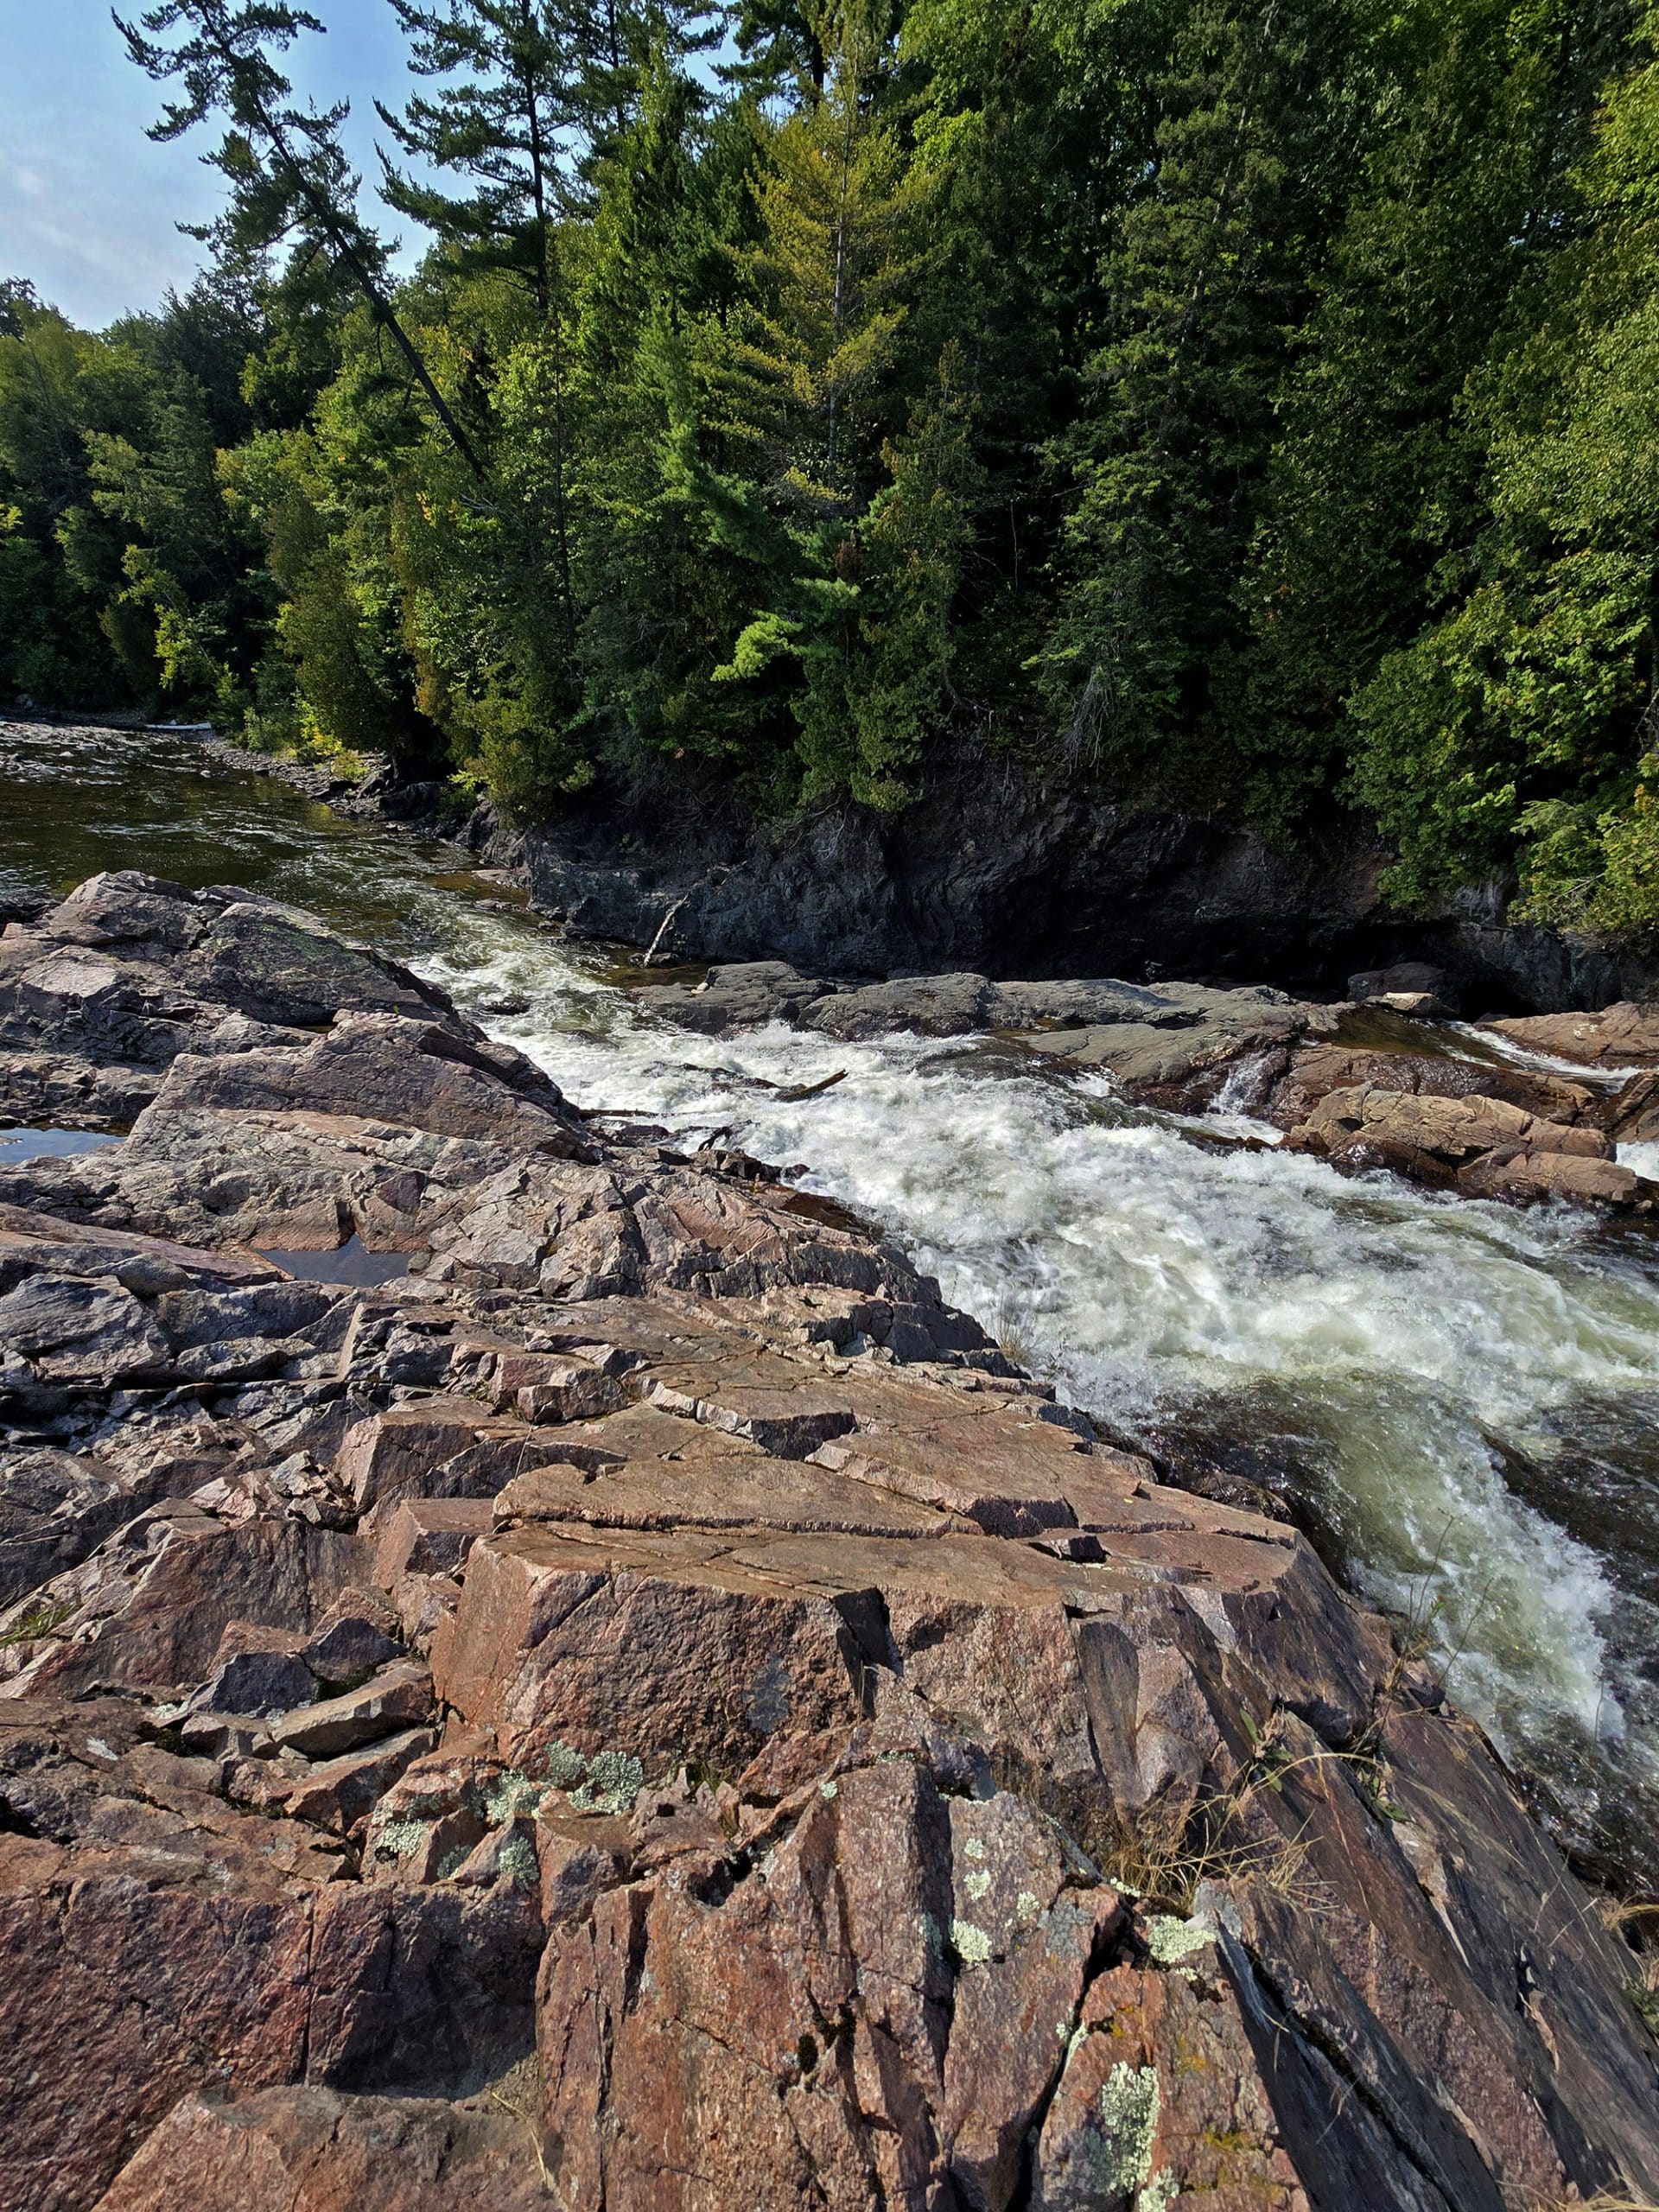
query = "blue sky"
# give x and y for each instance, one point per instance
(88, 203)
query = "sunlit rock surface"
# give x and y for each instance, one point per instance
(651, 1709)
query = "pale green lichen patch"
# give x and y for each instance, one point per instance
(1170, 1940)
(566, 1766)
(1160, 2193)
(972, 1945)
(973, 1847)
(977, 1883)
(512, 1794)
(829, 1788)
(607, 1783)
(1027, 1906)
(452, 1860)
(1129, 2100)
(400, 1839)
(515, 1863)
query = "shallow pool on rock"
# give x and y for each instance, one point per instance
(18, 1145)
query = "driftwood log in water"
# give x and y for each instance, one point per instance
(649, 1709)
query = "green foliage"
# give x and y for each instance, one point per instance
(1241, 405)
(1523, 721)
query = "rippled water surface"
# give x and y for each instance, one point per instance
(1461, 1399)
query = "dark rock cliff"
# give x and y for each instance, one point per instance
(1014, 879)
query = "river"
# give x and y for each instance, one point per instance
(1460, 1401)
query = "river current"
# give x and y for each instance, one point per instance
(1460, 1401)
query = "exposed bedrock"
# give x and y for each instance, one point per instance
(649, 1710)
(990, 871)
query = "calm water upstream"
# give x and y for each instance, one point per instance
(1463, 1400)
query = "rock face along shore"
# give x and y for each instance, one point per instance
(647, 1710)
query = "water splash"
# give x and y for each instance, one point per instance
(1402, 1351)
(1466, 1397)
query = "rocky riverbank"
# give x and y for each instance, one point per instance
(989, 869)
(1378, 1082)
(643, 1705)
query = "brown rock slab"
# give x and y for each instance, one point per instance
(337, 1793)
(1625, 1035)
(712, 1492)
(147, 1610)
(1528, 1175)
(386, 1702)
(768, 1400)
(403, 1452)
(311, 2149)
(791, 2038)
(429, 1535)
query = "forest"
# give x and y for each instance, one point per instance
(1239, 406)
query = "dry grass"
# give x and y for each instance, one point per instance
(519, 2093)
(1636, 1920)
(1164, 1867)
(1604, 2201)
(1013, 1327)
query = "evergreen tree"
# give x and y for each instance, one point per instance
(288, 174)
(504, 119)
(1526, 722)
(1207, 269)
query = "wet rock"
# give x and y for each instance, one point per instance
(1165, 1039)
(1625, 1035)
(1508, 1172)
(1452, 1129)
(1317, 1070)
(1633, 1115)
(738, 997)
(1483, 1147)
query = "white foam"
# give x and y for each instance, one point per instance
(1396, 1339)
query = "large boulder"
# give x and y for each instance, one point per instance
(1625, 1035)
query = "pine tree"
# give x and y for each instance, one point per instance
(504, 120)
(1206, 270)
(288, 173)
(831, 279)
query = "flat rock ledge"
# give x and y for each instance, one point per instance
(1378, 1082)
(649, 1710)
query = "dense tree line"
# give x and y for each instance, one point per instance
(1239, 404)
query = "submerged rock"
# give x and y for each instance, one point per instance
(651, 1711)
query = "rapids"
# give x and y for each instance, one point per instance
(1460, 1401)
